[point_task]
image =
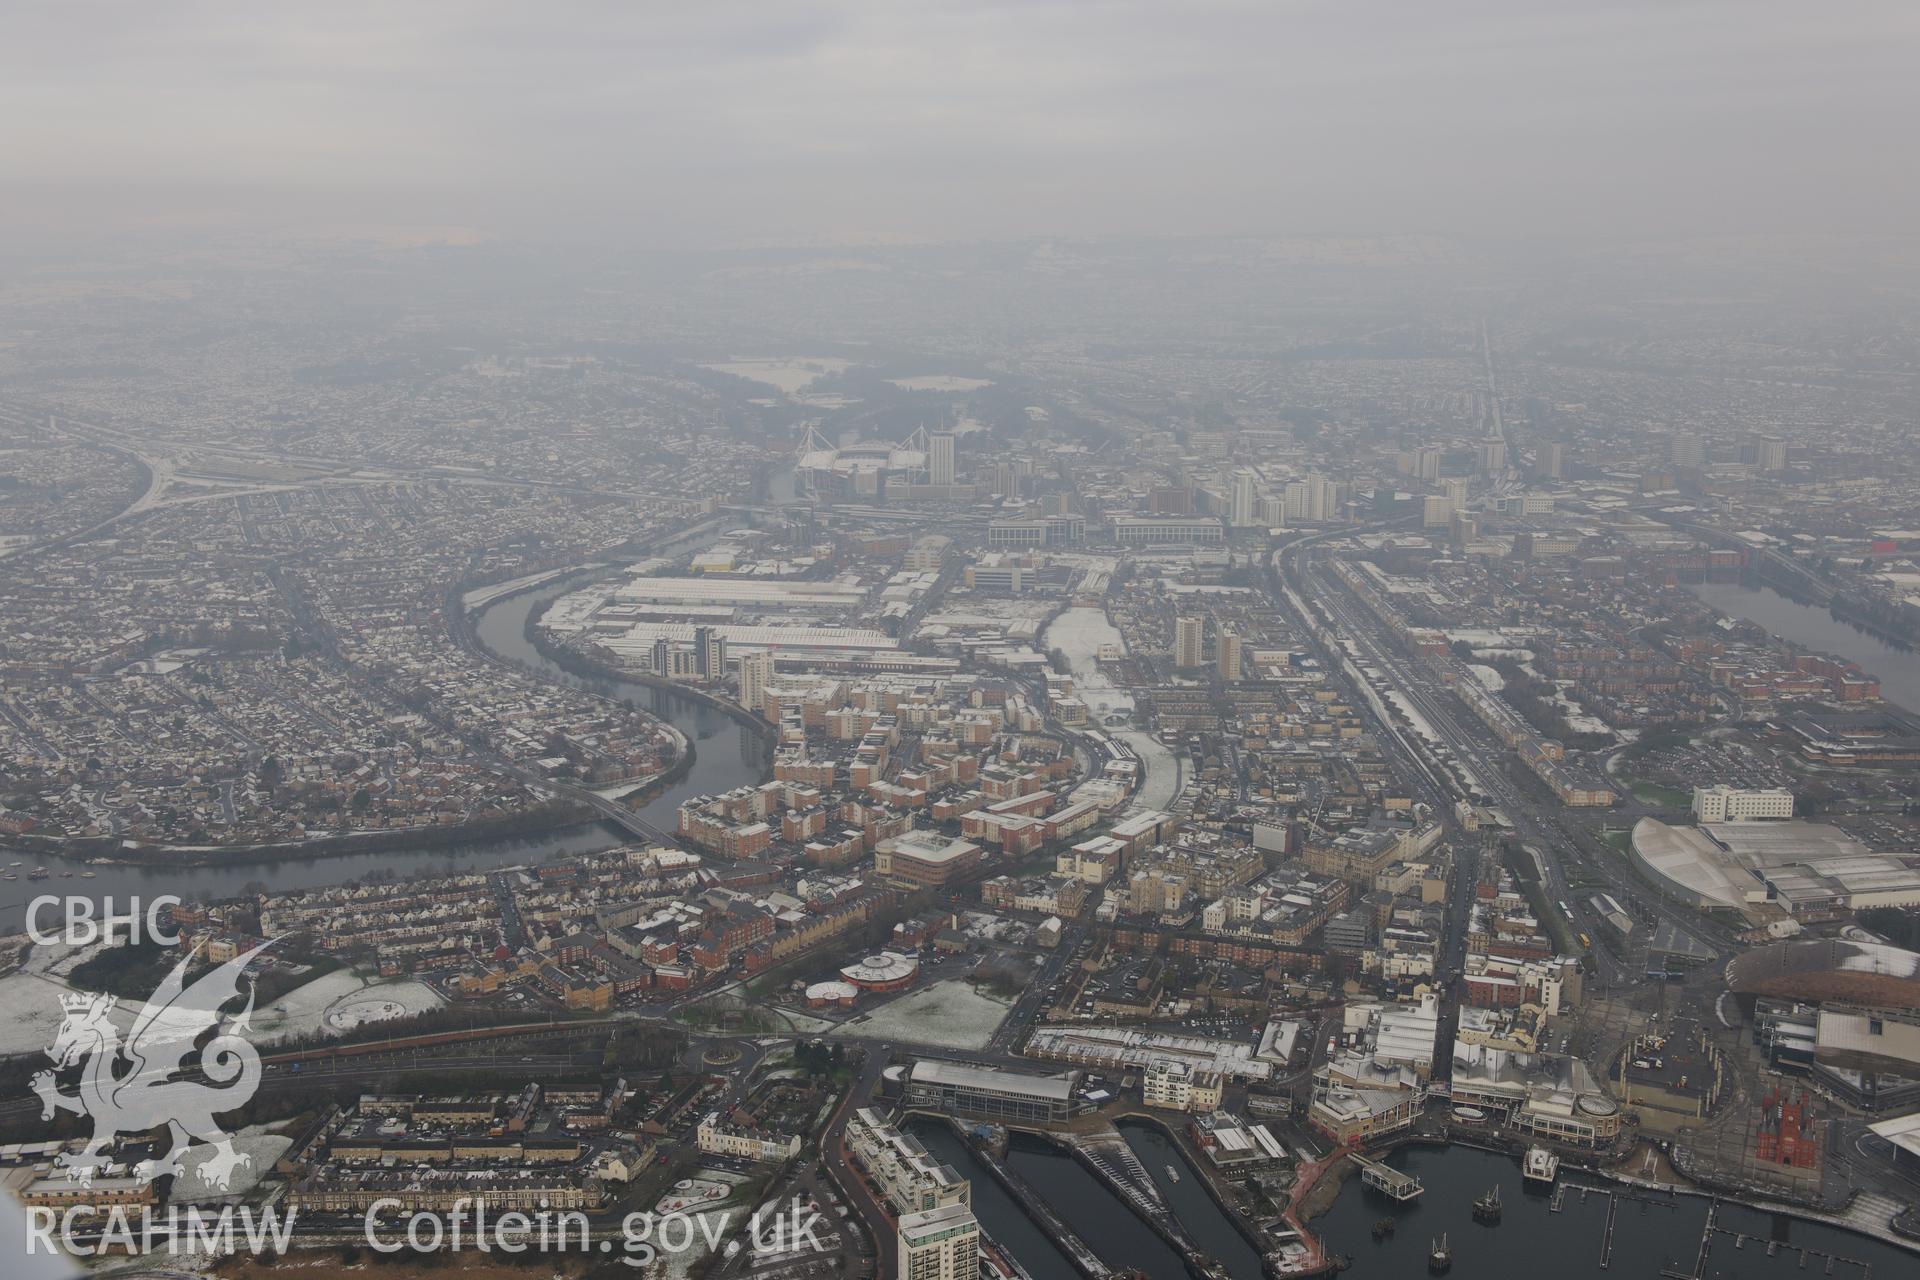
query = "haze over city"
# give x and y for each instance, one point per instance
(716, 125)
(959, 642)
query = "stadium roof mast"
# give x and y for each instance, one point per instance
(813, 440)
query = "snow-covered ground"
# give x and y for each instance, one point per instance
(30, 1013)
(480, 596)
(940, 382)
(255, 1142)
(717, 1223)
(306, 1010)
(1078, 633)
(789, 376)
(948, 1015)
(688, 1192)
(1488, 676)
(1421, 725)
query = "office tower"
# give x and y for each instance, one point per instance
(1315, 499)
(1295, 497)
(1242, 515)
(1466, 529)
(940, 459)
(1438, 512)
(1455, 487)
(1689, 449)
(1550, 461)
(1330, 498)
(1174, 500)
(939, 1244)
(756, 669)
(1493, 456)
(1227, 655)
(1773, 454)
(662, 657)
(1426, 463)
(1189, 642)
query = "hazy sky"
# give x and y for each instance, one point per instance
(723, 122)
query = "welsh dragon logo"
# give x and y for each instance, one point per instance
(148, 1081)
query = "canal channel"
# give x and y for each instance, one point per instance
(1107, 1225)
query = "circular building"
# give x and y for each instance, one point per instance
(1597, 1105)
(838, 994)
(1828, 969)
(885, 971)
(1688, 865)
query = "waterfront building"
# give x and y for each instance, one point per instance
(908, 1177)
(980, 1093)
(939, 1244)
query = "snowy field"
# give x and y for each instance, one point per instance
(716, 1222)
(358, 1013)
(1079, 632)
(30, 1013)
(947, 1015)
(789, 377)
(309, 1009)
(689, 1192)
(940, 382)
(255, 1142)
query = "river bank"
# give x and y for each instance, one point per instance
(589, 667)
(505, 630)
(553, 816)
(1812, 627)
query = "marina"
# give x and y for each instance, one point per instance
(1591, 1230)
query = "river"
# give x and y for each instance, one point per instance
(1812, 626)
(123, 882)
(1651, 1231)
(727, 754)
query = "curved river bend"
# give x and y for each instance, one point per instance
(726, 754)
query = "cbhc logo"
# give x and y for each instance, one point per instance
(87, 923)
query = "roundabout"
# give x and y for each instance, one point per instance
(722, 1055)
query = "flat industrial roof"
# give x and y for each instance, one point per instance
(1901, 1131)
(1687, 858)
(961, 1076)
